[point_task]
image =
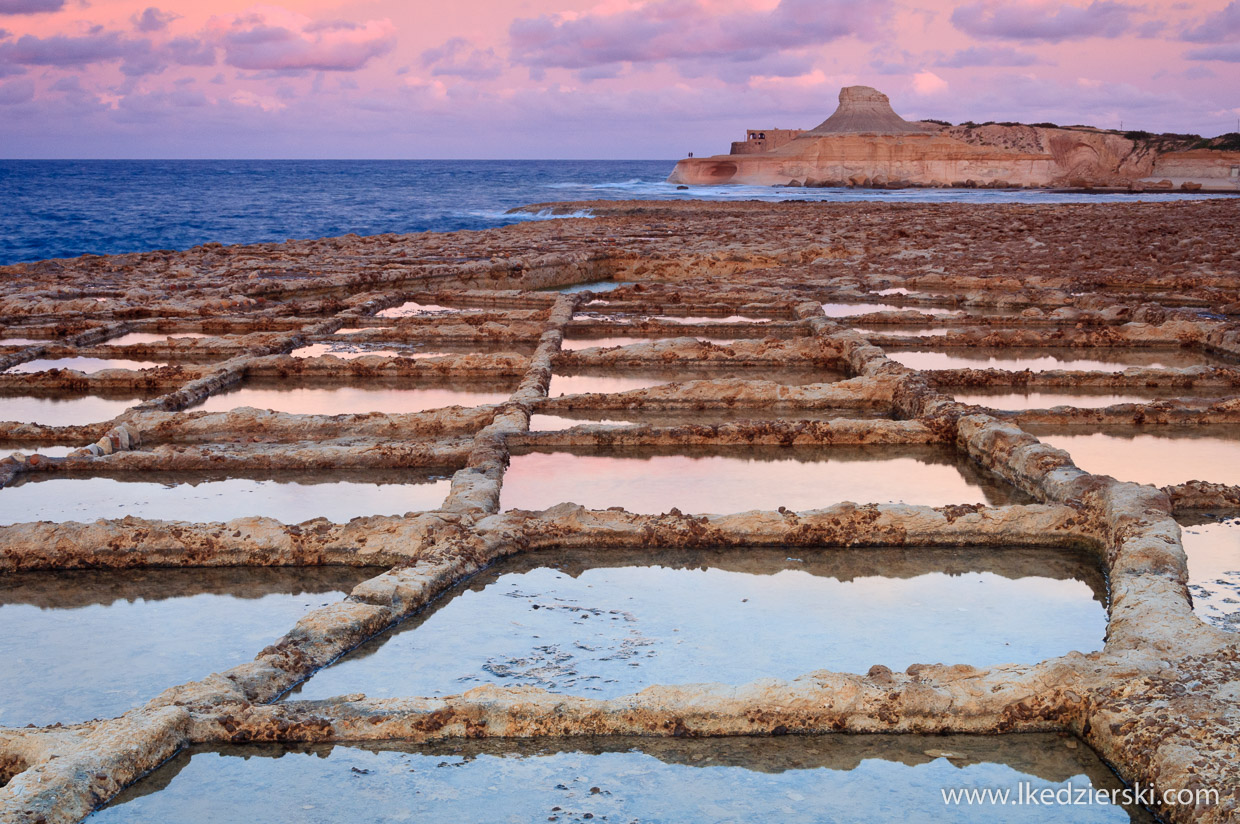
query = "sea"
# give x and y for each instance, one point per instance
(65, 208)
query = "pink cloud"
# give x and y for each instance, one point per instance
(152, 19)
(30, 6)
(274, 39)
(60, 50)
(1228, 53)
(1030, 21)
(988, 56)
(459, 58)
(680, 30)
(1219, 27)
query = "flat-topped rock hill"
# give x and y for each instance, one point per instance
(866, 143)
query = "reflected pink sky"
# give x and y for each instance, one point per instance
(583, 78)
(724, 483)
(350, 400)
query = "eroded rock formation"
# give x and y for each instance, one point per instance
(865, 143)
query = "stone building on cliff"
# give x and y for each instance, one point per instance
(865, 143)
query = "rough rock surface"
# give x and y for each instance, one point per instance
(865, 143)
(1159, 702)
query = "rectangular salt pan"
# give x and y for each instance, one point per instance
(413, 309)
(1213, 549)
(844, 310)
(1157, 455)
(64, 411)
(152, 337)
(844, 779)
(625, 380)
(577, 344)
(627, 417)
(290, 498)
(739, 480)
(1043, 359)
(86, 365)
(613, 623)
(339, 400)
(82, 645)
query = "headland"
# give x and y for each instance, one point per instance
(866, 144)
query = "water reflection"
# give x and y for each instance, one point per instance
(1159, 455)
(566, 418)
(152, 337)
(844, 779)
(596, 286)
(1213, 548)
(1006, 399)
(290, 497)
(611, 623)
(652, 481)
(575, 344)
(86, 365)
(305, 398)
(81, 645)
(613, 380)
(1040, 359)
(414, 309)
(64, 411)
(844, 310)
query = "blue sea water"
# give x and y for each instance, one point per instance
(64, 208)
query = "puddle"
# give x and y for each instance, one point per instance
(64, 411)
(683, 417)
(413, 309)
(610, 623)
(629, 379)
(1213, 547)
(626, 318)
(152, 337)
(348, 350)
(81, 645)
(688, 319)
(1040, 359)
(53, 451)
(844, 779)
(301, 399)
(1162, 455)
(843, 310)
(575, 344)
(21, 341)
(597, 286)
(723, 480)
(1007, 399)
(895, 330)
(208, 497)
(86, 365)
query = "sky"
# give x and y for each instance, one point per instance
(635, 79)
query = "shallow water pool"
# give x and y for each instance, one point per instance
(309, 399)
(846, 779)
(1159, 455)
(724, 480)
(1213, 549)
(64, 411)
(79, 645)
(611, 623)
(209, 497)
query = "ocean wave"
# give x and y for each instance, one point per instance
(505, 216)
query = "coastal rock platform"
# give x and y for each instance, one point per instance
(704, 287)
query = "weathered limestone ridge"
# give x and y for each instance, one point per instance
(865, 143)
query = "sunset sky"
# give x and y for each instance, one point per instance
(582, 78)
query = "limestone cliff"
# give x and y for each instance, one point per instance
(866, 143)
